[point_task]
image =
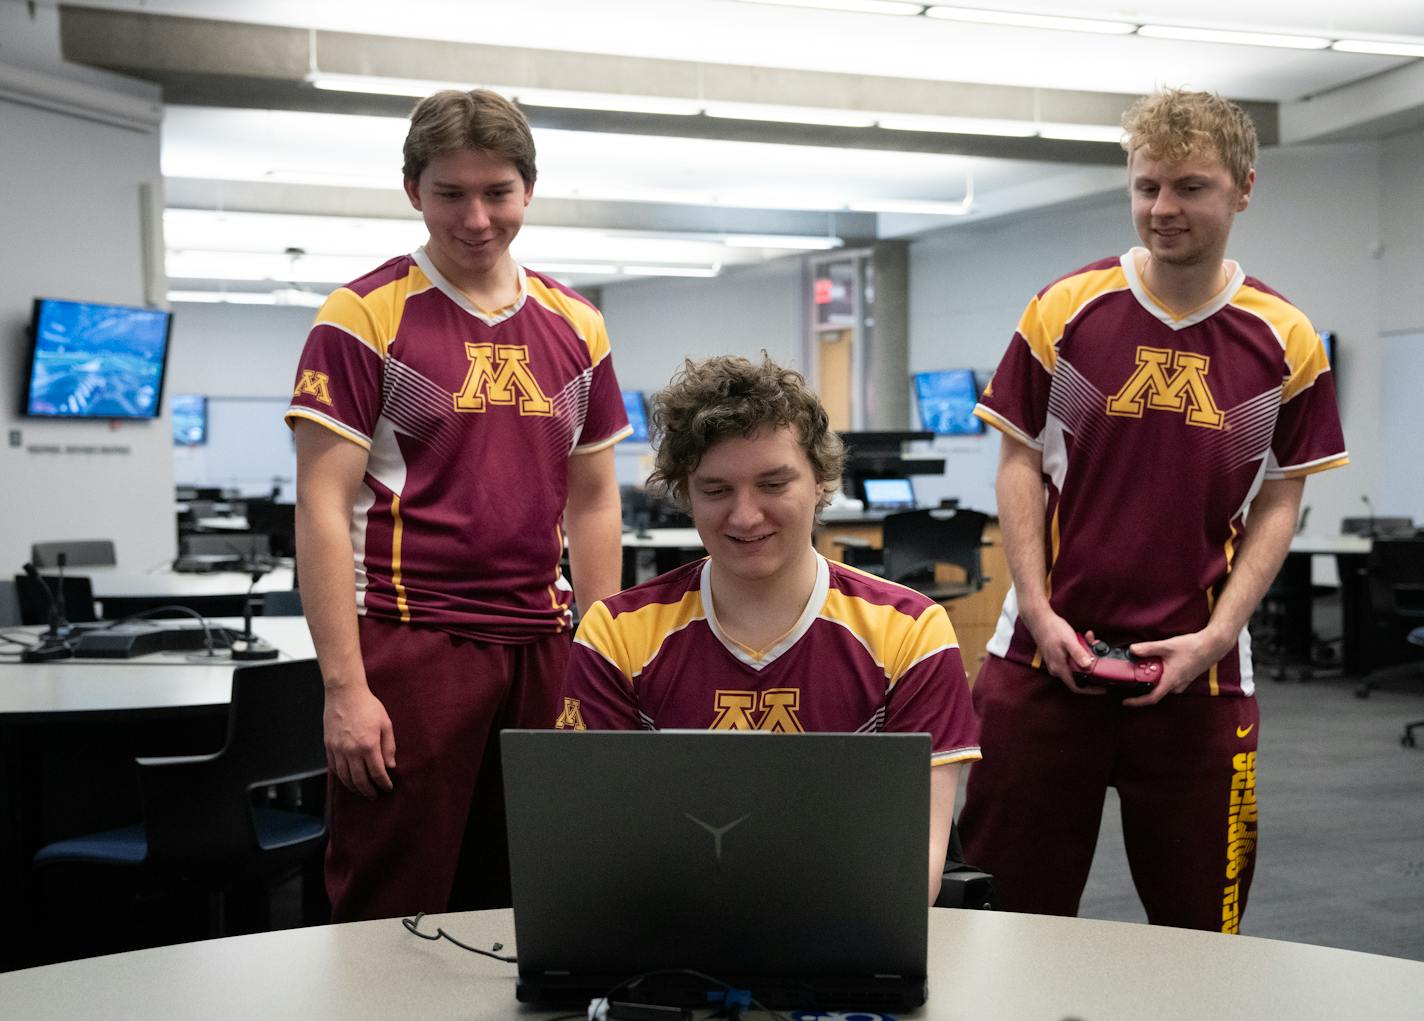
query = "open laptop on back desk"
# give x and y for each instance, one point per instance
(792, 866)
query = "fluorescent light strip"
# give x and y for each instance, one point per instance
(608, 102)
(915, 207)
(790, 115)
(286, 296)
(1081, 132)
(791, 242)
(572, 267)
(899, 7)
(1376, 46)
(374, 85)
(958, 125)
(672, 271)
(1231, 37)
(982, 17)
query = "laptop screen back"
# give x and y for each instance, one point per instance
(774, 862)
(889, 494)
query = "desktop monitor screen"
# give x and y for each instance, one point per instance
(190, 420)
(96, 361)
(947, 400)
(889, 494)
(637, 409)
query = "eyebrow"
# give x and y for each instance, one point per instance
(770, 473)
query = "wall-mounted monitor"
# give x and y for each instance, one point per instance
(1327, 340)
(96, 361)
(946, 401)
(637, 408)
(190, 420)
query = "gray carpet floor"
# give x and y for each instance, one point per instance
(1341, 854)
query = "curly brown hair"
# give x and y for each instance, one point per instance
(726, 396)
(452, 120)
(1177, 124)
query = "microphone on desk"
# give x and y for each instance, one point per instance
(248, 646)
(53, 643)
(1371, 508)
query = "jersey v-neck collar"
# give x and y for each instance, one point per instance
(1197, 315)
(427, 266)
(763, 659)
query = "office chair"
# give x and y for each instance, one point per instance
(1395, 570)
(1394, 526)
(78, 592)
(914, 542)
(277, 521)
(207, 819)
(78, 553)
(1416, 637)
(286, 603)
(961, 884)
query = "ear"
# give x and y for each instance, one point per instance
(1244, 199)
(412, 191)
(528, 193)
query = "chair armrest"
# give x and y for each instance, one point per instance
(852, 541)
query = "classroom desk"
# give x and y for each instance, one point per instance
(1351, 552)
(983, 965)
(213, 593)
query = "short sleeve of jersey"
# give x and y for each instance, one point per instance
(607, 420)
(931, 692)
(597, 694)
(338, 382)
(1016, 399)
(1308, 436)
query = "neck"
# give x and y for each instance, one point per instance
(489, 291)
(1183, 288)
(756, 613)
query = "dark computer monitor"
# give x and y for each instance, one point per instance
(946, 401)
(89, 360)
(190, 420)
(637, 407)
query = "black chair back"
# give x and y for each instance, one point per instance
(198, 810)
(78, 594)
(77, 552)
(917, 540)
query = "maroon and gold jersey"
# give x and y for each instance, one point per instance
(1156, 433)
(865, 656)
(469, 419)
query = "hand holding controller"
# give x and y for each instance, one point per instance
(1118, 669)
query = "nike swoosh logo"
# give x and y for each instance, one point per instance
(1243, 731)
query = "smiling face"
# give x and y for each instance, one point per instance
(473, 205)
(753, 501)
(1183, 211)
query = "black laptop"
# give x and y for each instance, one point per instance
(792, 866)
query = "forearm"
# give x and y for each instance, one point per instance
(1270, 525)
(593, 522)
(944, 787)
(1020, 493)
(326, 567)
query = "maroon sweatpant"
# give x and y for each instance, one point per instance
(437, 841)
(1185, 772)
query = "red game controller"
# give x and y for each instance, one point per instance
(1118, 669)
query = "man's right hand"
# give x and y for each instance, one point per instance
(1062, 652)
(360, 743)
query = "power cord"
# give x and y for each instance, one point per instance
(412, 926)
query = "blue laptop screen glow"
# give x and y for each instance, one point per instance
(947, 400)
(190, 419)
(889, 493)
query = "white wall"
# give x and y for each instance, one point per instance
(1311, 233)
(73, 228)
(237, 350)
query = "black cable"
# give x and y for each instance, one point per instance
(412, 925)
(629, 983)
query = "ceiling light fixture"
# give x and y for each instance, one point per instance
(979, 16)
(1230, 36)
(608, 102)
(1378, 46)
(957, 125)
(375, 85)
(673, 271)
(1081, 132)
(791, 242)
(899, 7)
(790, 115)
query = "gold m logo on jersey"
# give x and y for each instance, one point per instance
(498, 374)
(1184, 389)
(571, 718)
(314, 384)
(776, 706)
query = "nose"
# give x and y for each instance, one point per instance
(746, 511)
(476, 216)
(1164, 205)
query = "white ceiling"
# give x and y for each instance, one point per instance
(343, 151)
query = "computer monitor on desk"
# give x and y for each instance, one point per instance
(790, 865)
(889, 494)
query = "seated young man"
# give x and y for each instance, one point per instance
(765, 633)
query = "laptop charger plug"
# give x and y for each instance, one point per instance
(601, 1009)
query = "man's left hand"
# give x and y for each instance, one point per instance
(1184, 659)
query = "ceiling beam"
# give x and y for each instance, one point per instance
(206, 62)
